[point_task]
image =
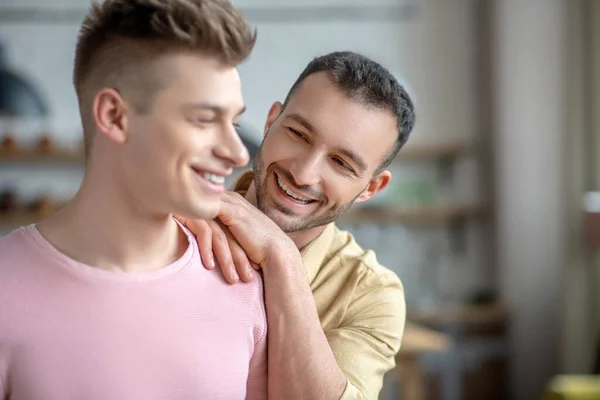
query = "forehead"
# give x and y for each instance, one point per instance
(197, 78)
(343, 122)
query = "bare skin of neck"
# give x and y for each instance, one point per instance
(104, 228)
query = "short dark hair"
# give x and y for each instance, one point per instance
(118, 39)
(370, 83)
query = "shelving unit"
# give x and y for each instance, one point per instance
(443, 155)
(23, 216)
(425, 215)
(15, 219)
(36, 156)
(434, 152)
(452, 217)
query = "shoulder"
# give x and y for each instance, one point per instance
(17, 270)
(15, 237)
(363, 264)
(252, 294)
(250, 297)
(14, 249)
(377, 292)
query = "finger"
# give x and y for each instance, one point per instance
(229, 213)
(240, 260)
(204, 237)
(233, 199)
(223, 256)
(255, 266)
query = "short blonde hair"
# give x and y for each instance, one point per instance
(118, 40)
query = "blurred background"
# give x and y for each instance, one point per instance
(492, 220)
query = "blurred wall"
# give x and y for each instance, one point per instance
(529, 38)
(582, 145)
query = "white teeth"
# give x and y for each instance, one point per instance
(290, 193)
(219, 180)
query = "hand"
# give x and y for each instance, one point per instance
(218, 247)
(257, 234)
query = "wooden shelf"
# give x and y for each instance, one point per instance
(58, 156)
(419, 339)
(462, 314)
(434, 152)
(414, 215)
(16, 219)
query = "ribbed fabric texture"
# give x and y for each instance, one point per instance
(69, 331)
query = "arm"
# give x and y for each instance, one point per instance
(366, 344)
(301, 362)
(304, 361)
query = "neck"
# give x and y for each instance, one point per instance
(103, 227)
(300, 238)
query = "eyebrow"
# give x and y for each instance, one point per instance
(212, 107)
(356, 159)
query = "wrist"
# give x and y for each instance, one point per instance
(281, 253)
(282, 258)
(284, 262)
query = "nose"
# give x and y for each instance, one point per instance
(305, 170)
(231, 148)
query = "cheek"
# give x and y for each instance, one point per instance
(161, 148)
(340, 191)
(270, 151)
(278, 146)
(196, 141)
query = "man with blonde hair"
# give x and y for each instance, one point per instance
(108, 298)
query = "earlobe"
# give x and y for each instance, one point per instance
(376, 185)
(274, 113)
(110, 116)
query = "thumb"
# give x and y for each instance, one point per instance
(228, 214)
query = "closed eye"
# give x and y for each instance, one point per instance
(297, 133)
(203, 121)
(342, 164)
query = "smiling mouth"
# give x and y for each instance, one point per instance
(216, 179)
(212, 178)
(295, 197)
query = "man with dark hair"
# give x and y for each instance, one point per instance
(107, 299)
(335, 315)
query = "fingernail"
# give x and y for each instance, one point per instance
(212, 263)
(250, 272)
(236, 277)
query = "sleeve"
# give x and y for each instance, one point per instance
(366, 344)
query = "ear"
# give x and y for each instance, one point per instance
(110, 115)
(376, 185)
(274, 113)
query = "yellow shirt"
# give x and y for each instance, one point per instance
(360, 303)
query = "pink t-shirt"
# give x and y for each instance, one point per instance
(69, 331)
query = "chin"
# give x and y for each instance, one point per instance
(284, 221)
(203, 212)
